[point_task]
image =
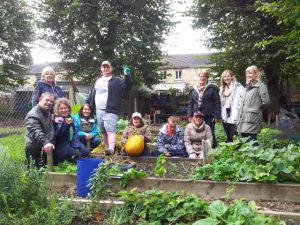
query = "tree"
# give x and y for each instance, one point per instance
(286, 13)
(124, 31)
(16, 32)
(236, 29)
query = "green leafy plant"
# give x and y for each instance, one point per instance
(75, 109)
(24, 198)
(240, 161)
(130, 175)
(158, 207)
(98, 183)
(160, 166)
(65, 167)
(121, 125)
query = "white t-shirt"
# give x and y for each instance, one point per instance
(101, 88)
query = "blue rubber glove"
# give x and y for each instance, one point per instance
(126, 70)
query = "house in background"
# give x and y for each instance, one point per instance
(182, 71)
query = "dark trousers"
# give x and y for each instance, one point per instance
(250, 137)
(209, 121)
(230, 130)
(37, 155)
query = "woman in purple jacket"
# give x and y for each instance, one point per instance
(46, 84)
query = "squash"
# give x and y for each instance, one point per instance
(134, 145)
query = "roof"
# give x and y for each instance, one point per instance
(37, 68)
(186, 60)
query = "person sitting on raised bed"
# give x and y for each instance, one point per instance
(86, 127)
(196, 132)
(67, 147)
(136, 126)
(171, 139)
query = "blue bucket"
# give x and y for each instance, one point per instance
(85, 169)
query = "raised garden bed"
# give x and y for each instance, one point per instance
(211, 189)
(280, 200)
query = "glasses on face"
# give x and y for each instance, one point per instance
(106, 66)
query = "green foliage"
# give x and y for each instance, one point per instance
(240, 161)
(15, 36)
(286, 13)
(236, 28)
(267, 138)
(238, 212)
(121, 125)
(65, 167)
(15, 145)
(126, 32)
(130, 175)
(160, 166)
(220, 133)
(98, 183)
(75, 109)
(164, 207)
(158, 207)
(182, 123)
(24, 197)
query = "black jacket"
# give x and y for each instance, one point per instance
(39, 128)
(116, 86)
(211, 103)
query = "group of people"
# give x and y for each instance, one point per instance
(239, 108)
(51, 129)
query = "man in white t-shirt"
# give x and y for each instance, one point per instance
(105, 100)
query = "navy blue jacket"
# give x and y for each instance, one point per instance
(41, 87)
(116, 86)
(67, 141)
(211, 103)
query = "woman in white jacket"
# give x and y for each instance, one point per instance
(231, 93)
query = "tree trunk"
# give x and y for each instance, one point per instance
(273, 87)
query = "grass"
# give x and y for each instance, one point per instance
(15, 145)
(14, 129)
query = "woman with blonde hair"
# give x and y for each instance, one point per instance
(68, 146)
(256, 99)
(46, 84)
(231, 93)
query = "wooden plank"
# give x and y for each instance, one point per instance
(249, 191)
(149, 159)
(212, 189)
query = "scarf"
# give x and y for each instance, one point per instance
(226, 95)
(201, 91)
(169, 132)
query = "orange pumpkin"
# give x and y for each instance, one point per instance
(134, 145)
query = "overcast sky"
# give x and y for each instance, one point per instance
(181, 40)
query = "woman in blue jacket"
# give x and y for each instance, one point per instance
(46, 84)
(67, 147)
(86, 127)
